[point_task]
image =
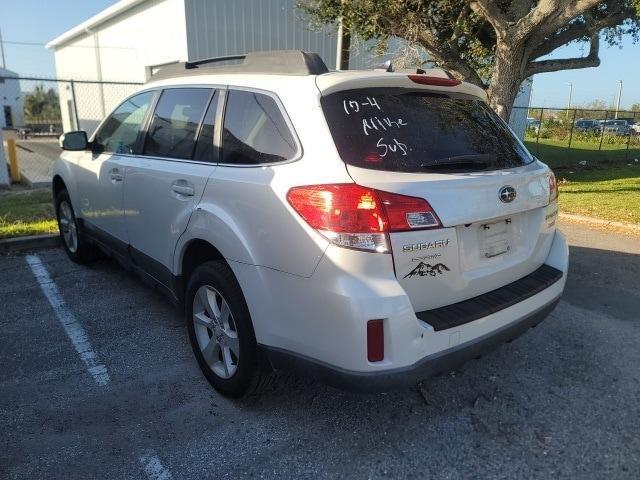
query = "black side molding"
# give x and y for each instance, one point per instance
(491, 302)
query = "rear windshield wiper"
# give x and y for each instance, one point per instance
(461, 163)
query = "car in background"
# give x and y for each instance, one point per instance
(587, 126)
(533, 124)
(616, 127)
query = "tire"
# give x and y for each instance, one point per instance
(78, 247)
(224, 344)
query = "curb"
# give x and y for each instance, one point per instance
(602, 223)
(32, 242)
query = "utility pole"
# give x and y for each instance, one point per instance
(569, 102)
(619, 97)
(4, 65)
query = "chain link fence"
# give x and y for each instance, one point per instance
(38, 110)
(562, 136)
(47, 106)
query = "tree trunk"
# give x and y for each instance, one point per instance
(506, 79)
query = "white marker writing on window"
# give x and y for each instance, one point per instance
(393, 146)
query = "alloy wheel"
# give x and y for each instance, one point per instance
(216, 331)
(68, 226)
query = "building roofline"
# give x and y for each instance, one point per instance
(98, 19)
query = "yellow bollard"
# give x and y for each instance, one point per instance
(13, 160)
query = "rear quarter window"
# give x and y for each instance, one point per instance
(407, 130)
(255, 130)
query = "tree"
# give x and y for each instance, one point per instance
(41, 104)
(494, 44)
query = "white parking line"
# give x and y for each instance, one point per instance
(153, 468)
(72, 328)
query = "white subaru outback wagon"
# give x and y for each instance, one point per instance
(367, 228)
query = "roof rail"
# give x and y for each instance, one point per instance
(276, 62)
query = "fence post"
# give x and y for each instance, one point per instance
(573, 122)
(606, 117)
(626, 154)
(538, 135)
(4, 173)
(75, 105)
(14, 169)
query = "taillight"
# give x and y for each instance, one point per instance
(436, 81)
(553, 188)
(407, 213)
(353, 216)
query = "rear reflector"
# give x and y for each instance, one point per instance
(375, 341)
(436, 81)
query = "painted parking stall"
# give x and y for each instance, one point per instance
(75, 332)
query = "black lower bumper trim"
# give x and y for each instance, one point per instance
(441, 362)
(491, 302)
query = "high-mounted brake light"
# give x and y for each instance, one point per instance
(353, 216)
(436, 81)
(553, 188)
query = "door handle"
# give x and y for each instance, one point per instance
(115, 175)
(181, 189)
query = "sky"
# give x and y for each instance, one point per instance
(38, 22)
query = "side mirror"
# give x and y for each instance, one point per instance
(74, 141)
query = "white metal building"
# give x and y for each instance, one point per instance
(11, 101)
(127, 40)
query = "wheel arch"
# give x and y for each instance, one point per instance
(57, 185)
(194, 253)
(213, 236)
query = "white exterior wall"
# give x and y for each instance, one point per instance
(10, 95)
(152, 32)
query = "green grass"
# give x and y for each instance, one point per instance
(26, 213)
(556, 154)
(608, 187)
(612, 194)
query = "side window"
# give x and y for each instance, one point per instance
(120, 132)
(172, 132)
(205, 150)
(254, 130)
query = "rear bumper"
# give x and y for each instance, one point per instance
(317, 325)
(440, 362)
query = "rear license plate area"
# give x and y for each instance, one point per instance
(495, 238)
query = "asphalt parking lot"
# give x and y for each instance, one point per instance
(561, 402)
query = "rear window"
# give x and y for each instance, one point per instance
(405, 130)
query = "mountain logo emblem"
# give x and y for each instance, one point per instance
(424, 269)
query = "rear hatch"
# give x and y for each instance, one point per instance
(447, 146)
